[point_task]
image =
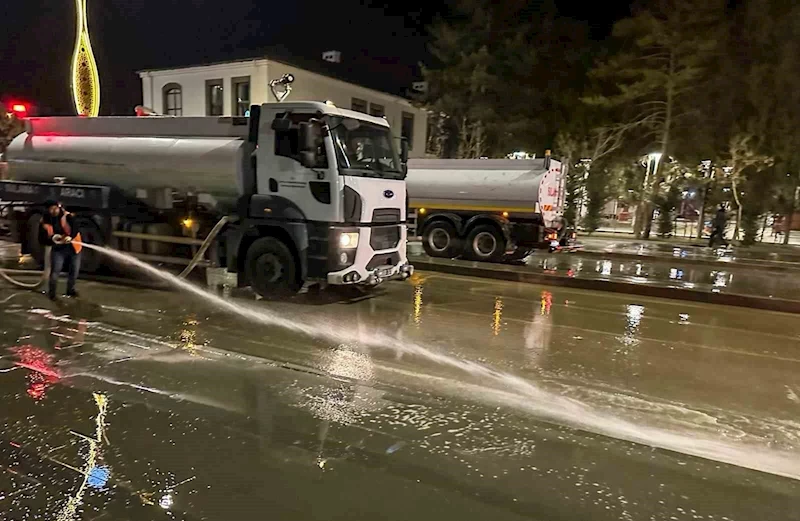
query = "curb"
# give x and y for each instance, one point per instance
(527, 277)
(737, 264)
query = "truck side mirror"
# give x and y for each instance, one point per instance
(404, 150)
(308, 159)
(306, 140)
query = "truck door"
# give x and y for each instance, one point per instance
(313, 192)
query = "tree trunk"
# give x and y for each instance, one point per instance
(463, 139)
(703, 197)
(790, 214)
(670, 100)
(735, 187)
(701, 218)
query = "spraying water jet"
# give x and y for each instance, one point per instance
(516, 392)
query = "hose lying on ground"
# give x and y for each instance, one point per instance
(5, 273)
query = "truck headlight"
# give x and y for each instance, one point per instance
(348, 240)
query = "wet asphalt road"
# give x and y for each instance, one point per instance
(134, 404)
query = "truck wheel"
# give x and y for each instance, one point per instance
(32, 243)
(91, 260)
(270, 268)
(485, 243)
(440, 239)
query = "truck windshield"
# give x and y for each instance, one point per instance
(364, 149)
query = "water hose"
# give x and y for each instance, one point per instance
(5, 274)
(203, 247)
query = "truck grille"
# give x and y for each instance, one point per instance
(386, 215)
(383, 260)
(384, 237)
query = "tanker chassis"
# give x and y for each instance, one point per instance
(487, 209)
(296, 194)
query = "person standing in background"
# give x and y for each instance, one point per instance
(718, 227)
(58, 231)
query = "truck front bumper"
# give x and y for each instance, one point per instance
(373, 277)
(376, 261)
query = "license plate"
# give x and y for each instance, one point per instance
(386, 272)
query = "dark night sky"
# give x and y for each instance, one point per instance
(129, 35)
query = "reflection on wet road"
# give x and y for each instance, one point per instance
(674, 273)
(139, 405)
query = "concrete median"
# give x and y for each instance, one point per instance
(528, 275)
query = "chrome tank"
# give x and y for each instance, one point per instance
(133, 153)
(486, 185)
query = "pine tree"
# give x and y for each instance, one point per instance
(666, 52)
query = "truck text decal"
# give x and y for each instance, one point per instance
(77, 193)
(20, 189)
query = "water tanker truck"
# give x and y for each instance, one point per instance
(487, 209)
(297, 193)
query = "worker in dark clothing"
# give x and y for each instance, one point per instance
(718, 227)
(58, 230)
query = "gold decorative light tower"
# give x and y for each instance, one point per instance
(85, 80)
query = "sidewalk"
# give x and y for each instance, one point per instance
(782, 259)
(620, 283)
(627, 234)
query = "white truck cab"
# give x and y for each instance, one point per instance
(336, 169)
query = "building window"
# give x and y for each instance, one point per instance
(241, 96)
(407, 129)
(173, 99)
(359, 105)
(376, 110)
(214, 103)
(286, 141)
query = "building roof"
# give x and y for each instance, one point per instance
(385, 74)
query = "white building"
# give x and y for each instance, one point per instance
(225, 89)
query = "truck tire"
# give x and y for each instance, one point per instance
(440, 239)
(485, 243)
(91, 260)
(271, 269)
(32, 243)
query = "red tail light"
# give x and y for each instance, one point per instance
(20, 110)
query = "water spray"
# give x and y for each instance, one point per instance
(515, 391)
